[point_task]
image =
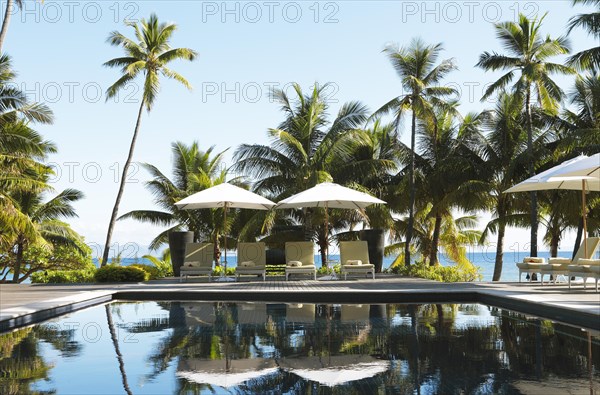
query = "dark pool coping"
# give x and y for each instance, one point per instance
(553, 312)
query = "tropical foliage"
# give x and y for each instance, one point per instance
(148, 57)
(421, 78)
(33, 235)
(307, 148)
(528, 57)
(455, 168)
(193, 171)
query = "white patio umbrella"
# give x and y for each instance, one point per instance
(225, 372)
(329, 195)
(225, 196)
(581, 173)
(335, 370)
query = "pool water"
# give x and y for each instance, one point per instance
(202, 347)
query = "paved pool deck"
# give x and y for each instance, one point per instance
(25, 304)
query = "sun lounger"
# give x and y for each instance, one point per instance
(300, 313)
(584, 266)
(354, 257)
(251, 259)
(355, 313)
(560, 266)
(300, 259)
(250, 313)
(198, 260)
(530, 265)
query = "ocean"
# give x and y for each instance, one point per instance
(484, 260)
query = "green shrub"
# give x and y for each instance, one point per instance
(153, 272)
(324, 270)
(219, 269)
(448, 274)
(275, 270)
(163, 264)
(117, 274)
(64, 276)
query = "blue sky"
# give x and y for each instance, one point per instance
(245, 48)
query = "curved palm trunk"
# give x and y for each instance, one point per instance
(499, 249)
(6, 22)
(435, 241)
(501, 210)
(115, 341)
(115, 210)
(411, 204)
(532, 195)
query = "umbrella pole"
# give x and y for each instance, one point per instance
(326, 234)
(584, 215)
(225, 236)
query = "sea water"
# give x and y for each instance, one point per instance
(484, 260)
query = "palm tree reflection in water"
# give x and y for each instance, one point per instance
(293, 348)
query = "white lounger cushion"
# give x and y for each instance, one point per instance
(294, 263)
(247, 264)
(588, 262)
(354, 262)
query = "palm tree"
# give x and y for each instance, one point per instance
(14, 104)
(371, 168)
(528, 54)
(193, 171)
(148, 57)
(589, 58)
(303, 151)
(10, 4)
(416, 67)
(40, 225)
(455, 234)
(115, 341)
(504, 149)
(578, 128)
(446, 167)
(22, 151)
(560, 210)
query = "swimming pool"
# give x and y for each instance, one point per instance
(226, 347)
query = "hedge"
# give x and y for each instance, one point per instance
(116, 274)
(63, 276)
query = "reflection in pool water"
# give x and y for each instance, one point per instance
(199, 347)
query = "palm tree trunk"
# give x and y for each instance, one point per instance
(500, 209)
(532, 195)
(115, 341)
(323, 252)
(6, 21)
(554, 245)
(18, 261)
(578, 238)
(411, 204)
(115, 211)
(499, 248)
(433, 258)
(217, 252)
